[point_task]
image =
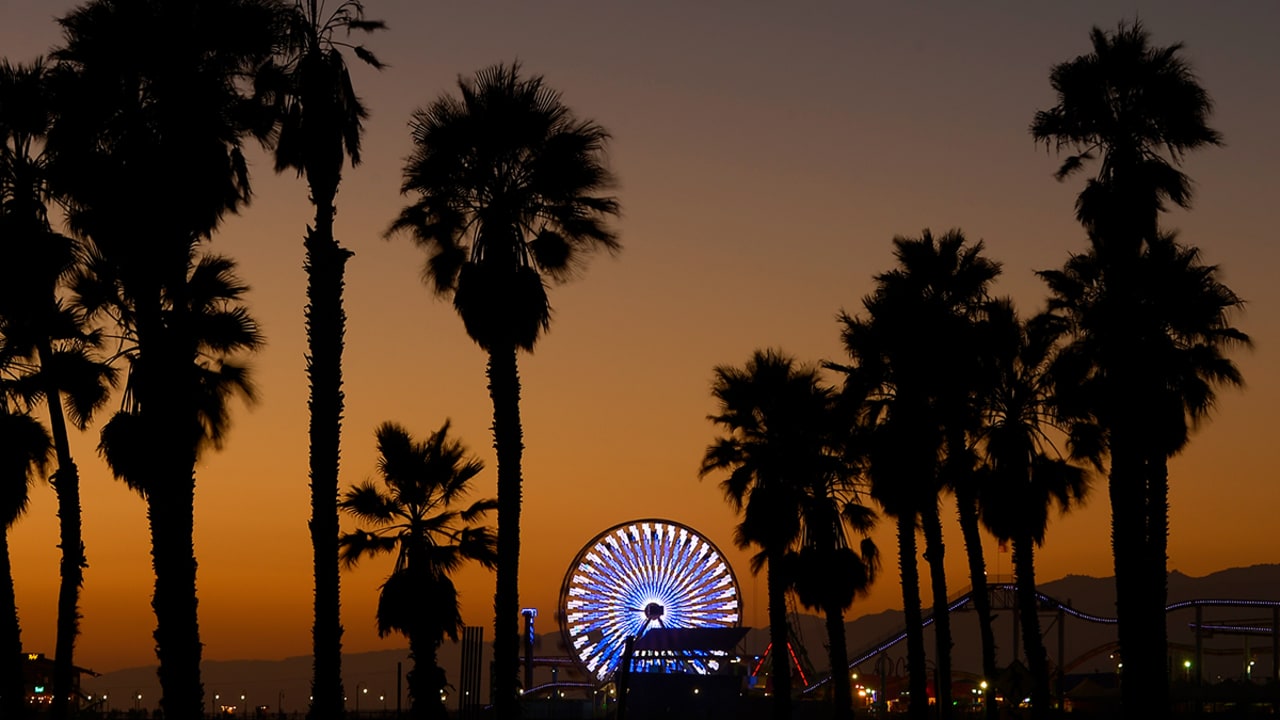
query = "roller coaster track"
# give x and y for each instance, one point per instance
(1046, 602)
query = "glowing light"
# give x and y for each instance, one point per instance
(638, 576)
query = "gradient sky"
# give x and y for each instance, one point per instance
(767, 154)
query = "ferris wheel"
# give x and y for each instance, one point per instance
(638, 576)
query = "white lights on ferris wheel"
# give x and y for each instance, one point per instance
(639, 576)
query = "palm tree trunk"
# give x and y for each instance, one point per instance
(12, 686)
(426, 679)
(1125, 487)
(177, 634)
(967, 506)
(326, 327)
(1157, 582)
(166, 396)
(918, 703)
(66, 485)
(779, 638)
(934, 553)
(508, 442)
(1029, 614)
(838, 654)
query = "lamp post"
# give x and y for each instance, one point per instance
(358, 694)
(213, 705)
(137, 700)
(244, 711)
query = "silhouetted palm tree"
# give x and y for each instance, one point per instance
(779, 442)
(24, 453)
(1181, 331)
(1138, 109)
(508, 185)
(1025, 473)
(916, 357)
(319, 121)
(44, 339)
(413, 514)
(155, 116)
(827, 573)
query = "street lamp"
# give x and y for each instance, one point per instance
(244, 705)
(358, 694)
(137, 699)
(213, 706)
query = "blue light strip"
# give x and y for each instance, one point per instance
(1057, 605)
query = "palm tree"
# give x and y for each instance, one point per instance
(155, 114)
(508, 184)
(827, 573)
(779, 441)
(1181, 335)
(413, 514)
(916, 358)
(23, 454)
(1025, 474)
(49, 342)
(1138, 109)
(880, 435)
(319, 121)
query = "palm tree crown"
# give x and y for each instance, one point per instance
(1137, 109)
(508, 184)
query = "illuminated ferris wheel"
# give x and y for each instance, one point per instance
(638, 576)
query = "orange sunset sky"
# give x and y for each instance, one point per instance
(767, 153)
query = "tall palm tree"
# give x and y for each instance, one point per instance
(917, 357)
(779, 440)
(1025, 474)
(48, 341)
(414, 514)
(508, 184)
(23, 454)
(1138, 109)
(319, 121)
(155, 115)
(827, 573)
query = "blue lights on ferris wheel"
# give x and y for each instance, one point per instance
(639, 576)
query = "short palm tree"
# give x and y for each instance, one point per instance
(319, 121)
(24, 455)
(1181, 335)
(1024, 472)
(508, 185)
(828, 573)
(413, 514)
(780, 440)
(48, 343)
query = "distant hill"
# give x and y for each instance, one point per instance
(285, 683)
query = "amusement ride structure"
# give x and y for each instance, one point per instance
(643, 576)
